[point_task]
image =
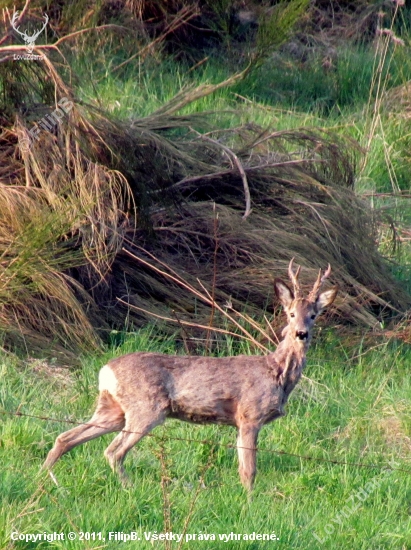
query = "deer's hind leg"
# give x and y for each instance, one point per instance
(138, 424)
(108, 417)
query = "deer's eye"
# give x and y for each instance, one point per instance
(313, 316)
(292, 314)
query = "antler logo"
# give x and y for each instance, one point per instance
(28, 39)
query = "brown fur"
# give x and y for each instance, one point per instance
(243, 391)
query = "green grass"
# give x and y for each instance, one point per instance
(356, 409)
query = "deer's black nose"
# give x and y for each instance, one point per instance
(302, 334)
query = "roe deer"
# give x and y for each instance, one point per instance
(138, 391)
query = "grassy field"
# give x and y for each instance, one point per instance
(335, 472)
(355, 407)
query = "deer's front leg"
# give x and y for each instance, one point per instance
(247, 450)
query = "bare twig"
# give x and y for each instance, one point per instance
(397, 195)
(194, 67)
(214, 275)
(184, 333)
(188, 323)
(230, 153)
(221, 310)
(200, 486)
(82, 31)
(165, 481)
(277, 341)
(204, 297)
(220, 173)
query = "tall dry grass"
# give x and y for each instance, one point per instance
(91, 186)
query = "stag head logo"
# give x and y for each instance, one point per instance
(28, 39)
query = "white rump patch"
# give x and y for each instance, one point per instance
(107, 380)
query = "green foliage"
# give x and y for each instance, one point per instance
(275, 26)
(325, 86)
(221, 22)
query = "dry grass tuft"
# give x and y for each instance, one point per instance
(394, 435)
(227, 206)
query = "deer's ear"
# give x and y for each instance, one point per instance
(326, 298)
(283, 293)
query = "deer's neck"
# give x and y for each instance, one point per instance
(291, 350)
(290, 357)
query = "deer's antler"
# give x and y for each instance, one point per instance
(35, 35)
(318, 284)
(14, 20)
(294, 278)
